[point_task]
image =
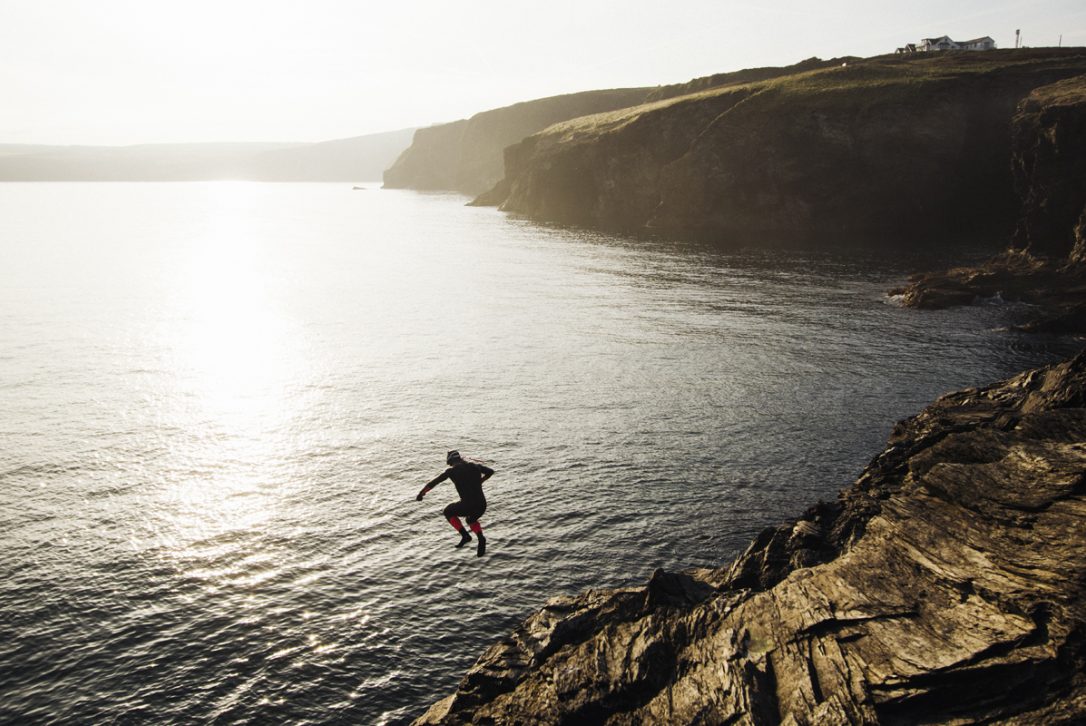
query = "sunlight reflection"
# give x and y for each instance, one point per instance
(234, 358)
(235, 342)
(206, 512)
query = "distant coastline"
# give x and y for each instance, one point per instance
(353, 159)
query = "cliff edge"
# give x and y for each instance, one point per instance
(885, 148)
(944, 586)
(466, 155)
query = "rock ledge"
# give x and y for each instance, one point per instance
(946, 585)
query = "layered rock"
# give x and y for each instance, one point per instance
(1049, 166)
(1046, 262)
(466, 155)
(945, 586)
(879, 148)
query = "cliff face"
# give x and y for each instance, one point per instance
(466, 155)
(1045, 264)
(945, 586)
(432, 161)
(604, 170)
(880, 147)
(1049, 165)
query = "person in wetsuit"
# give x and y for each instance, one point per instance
(468, 476)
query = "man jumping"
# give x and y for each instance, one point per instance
(468, 476)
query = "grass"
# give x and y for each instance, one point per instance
(881, 79)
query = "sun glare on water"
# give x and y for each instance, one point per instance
(234, 359)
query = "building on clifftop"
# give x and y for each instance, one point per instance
(946, 43)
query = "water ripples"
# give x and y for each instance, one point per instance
(207, 499)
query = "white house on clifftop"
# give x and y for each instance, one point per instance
(946, 43)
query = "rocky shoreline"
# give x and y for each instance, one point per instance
(1045, 265)
(1057, 291)
(944, 586)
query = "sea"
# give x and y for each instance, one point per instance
(219, 400)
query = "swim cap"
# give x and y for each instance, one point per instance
(452, 457)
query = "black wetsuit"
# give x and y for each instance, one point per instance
(468, 478)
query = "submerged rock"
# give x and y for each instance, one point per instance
(946, 585)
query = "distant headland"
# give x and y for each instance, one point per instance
(360, 158)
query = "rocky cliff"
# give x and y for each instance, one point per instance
(1049, 165)
(876, 148)
(946, 586)
(1046, 262)
(466, 155)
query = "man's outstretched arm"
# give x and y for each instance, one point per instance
(431, 484)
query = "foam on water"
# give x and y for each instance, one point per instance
(219, 401)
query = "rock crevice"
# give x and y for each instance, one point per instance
(1045, 264)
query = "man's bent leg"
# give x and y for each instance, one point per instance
(451, 513)
(477, 528)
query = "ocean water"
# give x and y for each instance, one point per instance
(218, 401)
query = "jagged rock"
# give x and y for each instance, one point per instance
(675, 589)
(949, 588)
(1046, 264)
(1014, 275)
(1050, 171)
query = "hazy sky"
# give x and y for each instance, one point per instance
(139, 71)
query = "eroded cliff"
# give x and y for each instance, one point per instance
(879, 148)
(1046, 262)
(466, 155)
(945, 586)
(1049, 166)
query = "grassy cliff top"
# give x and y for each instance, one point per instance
(880, 78)
(1069, 92)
